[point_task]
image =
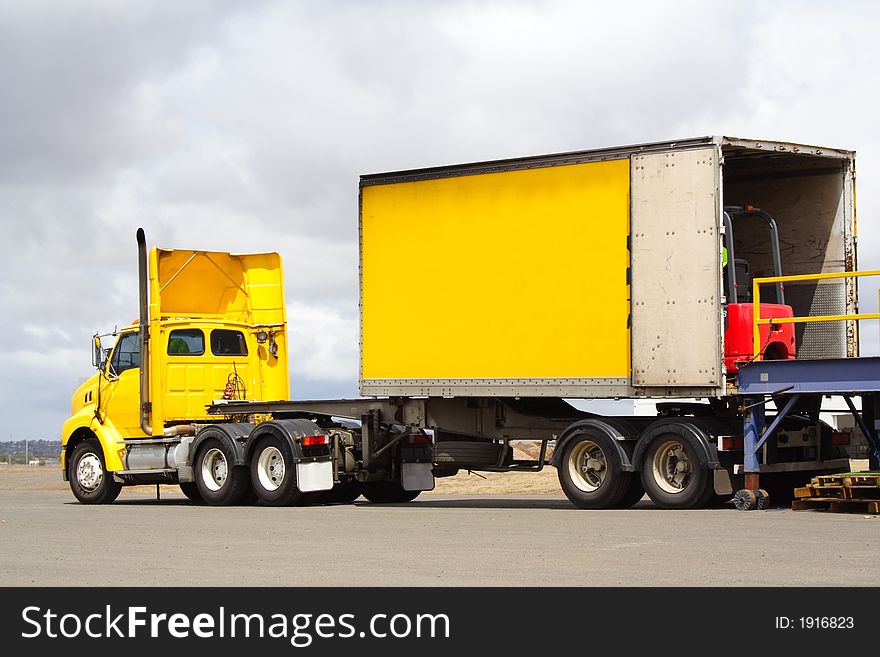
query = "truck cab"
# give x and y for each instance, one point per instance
(212, 328)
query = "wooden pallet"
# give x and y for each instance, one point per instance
(849, 479)
(836, 505)
(840, 493)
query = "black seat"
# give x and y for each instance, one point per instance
(743, 280)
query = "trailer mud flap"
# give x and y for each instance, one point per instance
(416, 476)
(314, 476)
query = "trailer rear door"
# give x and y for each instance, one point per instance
(676, 269)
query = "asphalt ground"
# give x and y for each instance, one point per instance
(511, 539)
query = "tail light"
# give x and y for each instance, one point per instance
(420, 439)
(840, 438)
(315, 441)
(730, 442)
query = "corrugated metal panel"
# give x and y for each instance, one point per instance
(818, 339)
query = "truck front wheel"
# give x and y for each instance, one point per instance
(89, 480)
(219, 482)
(675, 473)
(273, 472)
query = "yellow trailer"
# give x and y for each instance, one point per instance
(590, 274)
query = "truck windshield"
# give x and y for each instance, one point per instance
(126, 355)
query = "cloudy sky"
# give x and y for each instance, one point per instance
(244, 126)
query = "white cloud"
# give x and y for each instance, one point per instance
(244, 125)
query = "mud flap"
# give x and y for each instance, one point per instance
(416, 476)
(722, 482)
(314, 476)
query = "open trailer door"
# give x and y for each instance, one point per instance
(676, 271)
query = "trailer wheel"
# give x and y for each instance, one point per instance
(675, 473)
(591, 474)
(632, 494)
(191, 490)
(273, 472)
(387, 492)
(219, 482)
(89, 480)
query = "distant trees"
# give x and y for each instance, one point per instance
(13, 451)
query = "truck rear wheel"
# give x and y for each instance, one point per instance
(675, 473)
(218, 480)
(343, 493)
(89, 480)
(273, 472)
(590, 472)
(387, 492)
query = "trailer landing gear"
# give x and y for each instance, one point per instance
(748, 500)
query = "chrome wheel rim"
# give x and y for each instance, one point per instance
(271, 469)
(671, 467)
(587, 466)
(89, 473)
(215, 469)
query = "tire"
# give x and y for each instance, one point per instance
(89, 480)
(675, 473)
(343, 493)
(273, 473)
(590, 472)
(250, 497)
(191, 490)
(633, 493)
(219, 482)
(387, 492)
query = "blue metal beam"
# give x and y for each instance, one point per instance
(780, 416)
(753, 424)
(830, 376)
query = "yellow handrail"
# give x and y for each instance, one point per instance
(757, 321)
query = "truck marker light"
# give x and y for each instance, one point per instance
(730, 442)
(311, 441)
(840, 438)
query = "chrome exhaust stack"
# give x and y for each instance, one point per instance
(143, 334)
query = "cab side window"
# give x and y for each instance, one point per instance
(126, 355)
(228, 343)
(186, 342)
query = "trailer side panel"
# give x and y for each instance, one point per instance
(510, 278)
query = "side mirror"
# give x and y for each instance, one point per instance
(99, 355)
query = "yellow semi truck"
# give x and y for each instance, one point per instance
(214, 327)
(489, 293)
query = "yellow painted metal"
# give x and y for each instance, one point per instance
(191, 290)
(756, 296)
(244, 288)
(817, 318)
(214, 290)
(813, 277)
(514, 274)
